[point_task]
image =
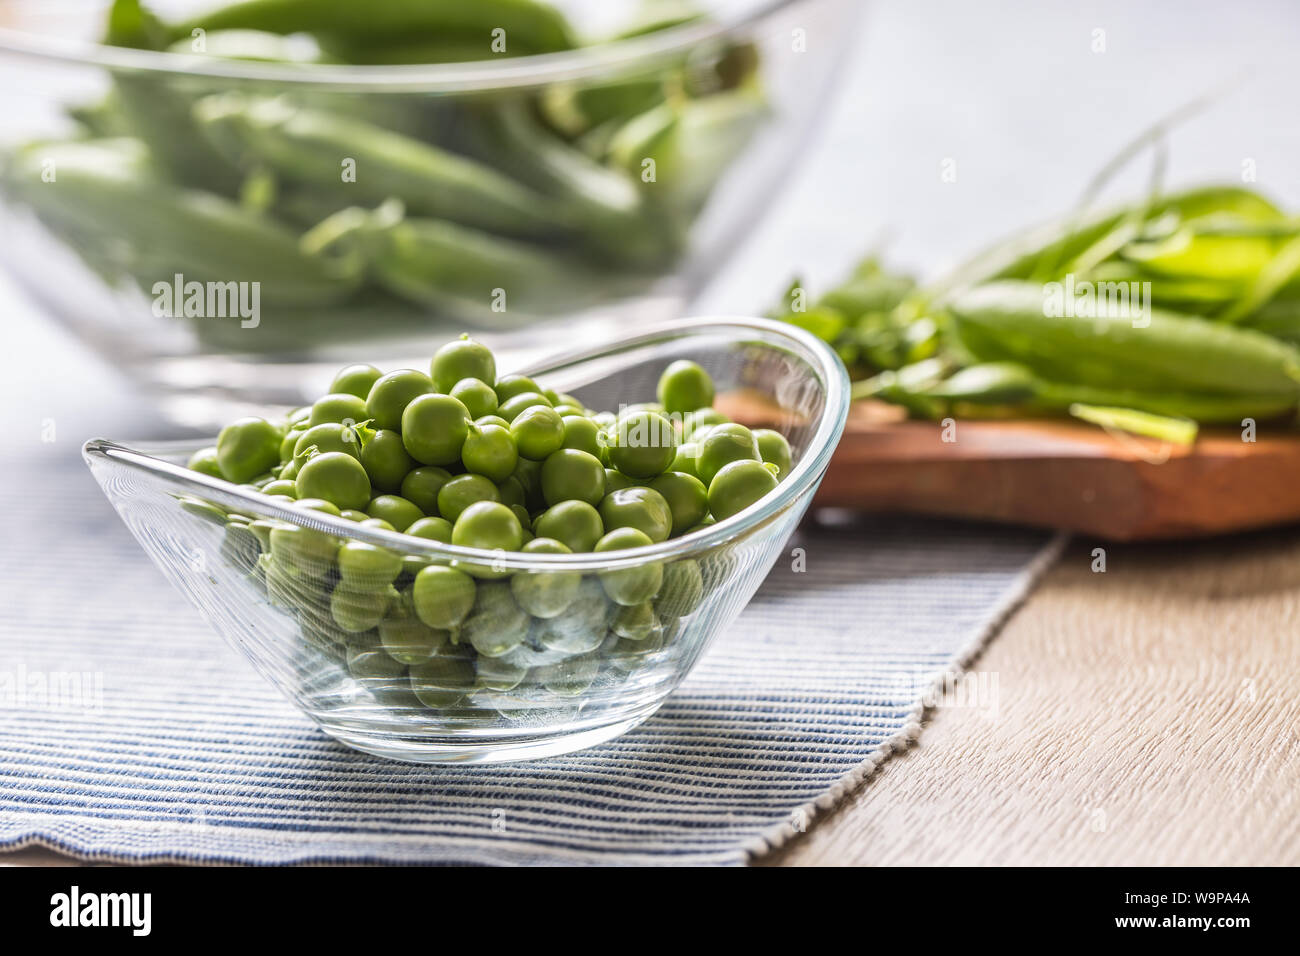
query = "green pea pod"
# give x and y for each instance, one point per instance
(1179, 431)
(157, 108)
(602, 205)
(1052, 247)
(462, 272)
(528, 26)
(1003, 384)
(692, 143)
(1226, 253)
(105, 192)
(1204, 408)
(131, 25)
(575, 108)
(998, 383)
(1148, 350)
(320, 150)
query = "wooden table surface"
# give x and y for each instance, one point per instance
(1146, 715)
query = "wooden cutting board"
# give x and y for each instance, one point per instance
(1056, 474)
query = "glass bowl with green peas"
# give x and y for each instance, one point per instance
(450, 563)
(195, 186)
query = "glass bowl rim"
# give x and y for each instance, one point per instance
(803, 478)
(471, 76)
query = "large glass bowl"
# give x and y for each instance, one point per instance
(187, 171)
(507, 686)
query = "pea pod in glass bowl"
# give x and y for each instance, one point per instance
(488, 655)
(278, 182)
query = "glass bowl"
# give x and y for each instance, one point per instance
(625, 628)
(197, 218)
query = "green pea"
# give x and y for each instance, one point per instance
(642, 508)
(512, 385)
(461, 492)
(434, 428)
(353, 514)
(571, 411)
(489, 450)
(569, 678)
(616, 481)
(375, 670)
(723, 445)
(632, 585)
(338, 407)
(682, 590)
(318, 504)
(512, 493)
(625, 656)
(529, 475)
(500, 674)
(484, 420)
(442, 596)
(421, 486)
(545, 594)
(407, 639)
(774, 449)
(642, 444)
(461, 359)
(390, 395)
(290, 441)
(538, 432)
(396, 510)
(239, 547)
(289, 583)
(635, 623)
(569, 474)
(298, 417)
(581, 433)
(385, 459)
(684, 387)
(337, 477)
(516, 405)
(442, 681)
(263, 528)
(281, 487)
(246, 448)
(489, 525)
(365, 567)
(475, 395)
(686, 459)
(583, 624)
(380, 524)
(525, 521)
(699, 420)
(355, 380)
(205, 462)
(575, 524)
(327, 437)
(688, 499)
(497, 624)
(738, 485)
(433, 528)
(358, 609)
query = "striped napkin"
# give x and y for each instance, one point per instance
(129, 731)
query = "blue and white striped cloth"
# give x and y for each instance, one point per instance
(129, 731)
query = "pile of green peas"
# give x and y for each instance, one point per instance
(463, 457)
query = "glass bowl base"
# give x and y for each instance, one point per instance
(503, 749)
